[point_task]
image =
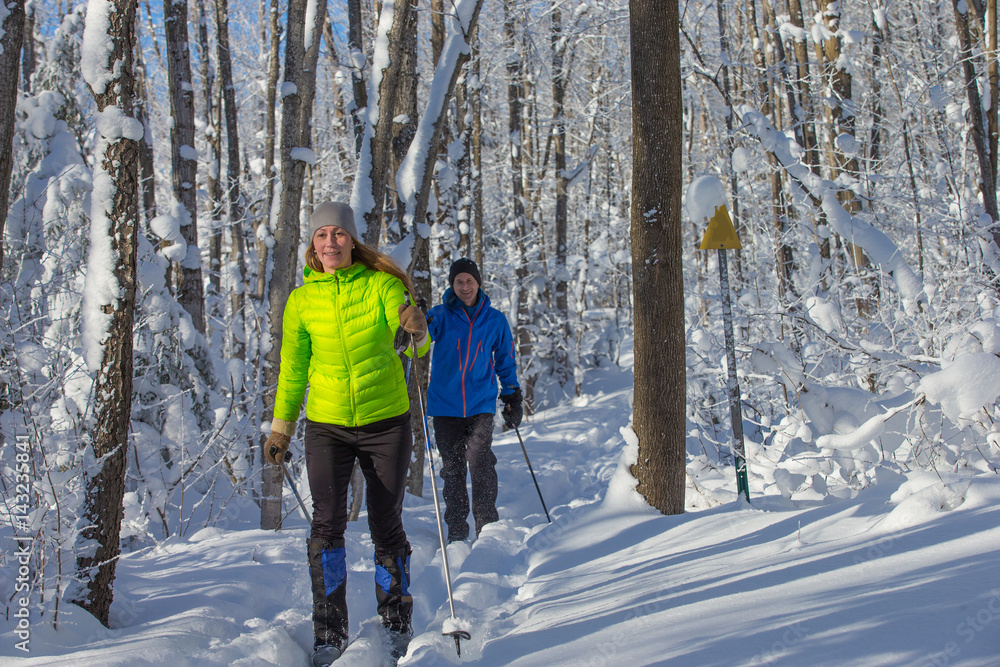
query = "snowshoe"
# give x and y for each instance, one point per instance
(324, 655)
(399, 642)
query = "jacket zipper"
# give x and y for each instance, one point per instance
(343, 345)
(458, 349)
(479, 348)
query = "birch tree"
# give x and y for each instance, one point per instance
(109, 297)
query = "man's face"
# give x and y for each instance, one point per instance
(466, 288)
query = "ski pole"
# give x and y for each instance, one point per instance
(291, 484)
(530, 469)
(458, 635)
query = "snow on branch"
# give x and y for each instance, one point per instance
(95, 55)
(879, 247)
(965, 386)
(411, 172)
(362, 200)
(865, 433)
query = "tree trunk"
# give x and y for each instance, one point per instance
(404, 127)
(370, 185)
(806, 130)
(183, 158)
(840, 119)
(437, 29)
(987, 183)
(355, 42)
(805, 119)
(561, 360)
(147, 171)
(114, 232)
(659, 418)
(420, 157)
(875, 157)
(301, 55)
(213, 135)
(445, 196)
(783, 257)
(403, 132)
(10, 56)
(727, 92)
(237, 209)
(993, 75)
(463, 167)
(345, 159)
(270, 124)
(515, 127)
(477, 153)
(28, 47)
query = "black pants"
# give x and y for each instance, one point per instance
(383, 451)
(465, 443)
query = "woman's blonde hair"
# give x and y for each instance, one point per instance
(373, 259)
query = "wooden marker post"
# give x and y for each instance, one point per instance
(721, 235)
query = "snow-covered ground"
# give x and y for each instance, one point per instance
(905, 573)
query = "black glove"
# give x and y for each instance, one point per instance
(513, 410)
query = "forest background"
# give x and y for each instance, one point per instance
(857, 142)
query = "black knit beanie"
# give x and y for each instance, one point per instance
(464, 265)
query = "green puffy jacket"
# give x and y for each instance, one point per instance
(337, 335)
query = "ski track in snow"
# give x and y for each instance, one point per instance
(882, 579)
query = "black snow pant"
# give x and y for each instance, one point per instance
(465, 443)
(383, 452)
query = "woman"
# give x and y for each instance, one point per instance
(337, 336)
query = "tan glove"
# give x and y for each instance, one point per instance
(413, 321)
(277, 443)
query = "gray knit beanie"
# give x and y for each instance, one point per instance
(334, 213)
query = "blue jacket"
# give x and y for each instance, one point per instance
(470, 353)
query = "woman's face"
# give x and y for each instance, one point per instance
(333, 247)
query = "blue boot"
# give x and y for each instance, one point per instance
(328, 572)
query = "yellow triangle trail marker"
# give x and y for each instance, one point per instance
(721, 235)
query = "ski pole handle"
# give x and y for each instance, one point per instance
(274, 452)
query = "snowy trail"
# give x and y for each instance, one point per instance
(903, 574)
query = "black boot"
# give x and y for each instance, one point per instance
(392, 591)
(328, 571)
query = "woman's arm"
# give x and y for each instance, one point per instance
(296, 350)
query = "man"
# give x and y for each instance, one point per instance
(472, 361)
